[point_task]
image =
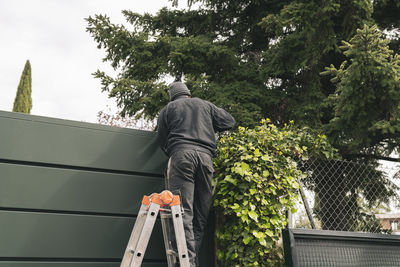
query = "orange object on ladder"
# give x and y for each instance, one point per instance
(169, 207)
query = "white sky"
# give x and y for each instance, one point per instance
(52, 35)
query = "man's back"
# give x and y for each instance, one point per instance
(191, 123)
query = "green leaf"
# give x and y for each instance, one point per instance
(230, 180)
(269, 233)
(253, 215)
(247, 239)
(283, 201)
(265, 157)
(274, 220)
(258, 234)
(235, 206)
(244, 166)
(263, 242)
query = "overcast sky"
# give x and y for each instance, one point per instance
(52, 35)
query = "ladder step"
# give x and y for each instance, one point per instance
(166, 216)
(171, 252)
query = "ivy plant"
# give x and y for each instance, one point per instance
(256, 184)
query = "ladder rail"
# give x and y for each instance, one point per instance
(180, 236)
(134, 238)
(138, 253)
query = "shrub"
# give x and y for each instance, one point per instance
(256, 183)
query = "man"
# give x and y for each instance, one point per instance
(186, 132)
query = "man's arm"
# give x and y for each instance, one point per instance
(162, 130)
(222, 120)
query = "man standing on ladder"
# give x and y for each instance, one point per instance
(186, 133)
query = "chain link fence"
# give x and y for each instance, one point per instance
(349, 196)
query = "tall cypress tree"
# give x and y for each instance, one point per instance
(23, 99)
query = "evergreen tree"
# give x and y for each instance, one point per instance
(216, 49)
(264, 59)
(367, 97)
(23, 99)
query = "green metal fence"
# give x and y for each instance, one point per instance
(70, 191)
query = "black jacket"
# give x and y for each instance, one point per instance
(191, 123)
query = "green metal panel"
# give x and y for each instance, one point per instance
(70, 264)
(45, 235)
(52, 141)
(33, 187)
(69, 192)
(61, 264)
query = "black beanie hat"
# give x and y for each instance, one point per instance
(177, 89)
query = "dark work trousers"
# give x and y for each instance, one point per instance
(189, 174)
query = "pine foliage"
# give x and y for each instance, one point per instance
(256, 59)
(367, 97)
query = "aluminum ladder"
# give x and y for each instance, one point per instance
(169, 207)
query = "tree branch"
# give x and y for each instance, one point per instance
(371, 156)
